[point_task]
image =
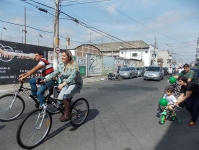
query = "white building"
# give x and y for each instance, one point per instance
(165, 58)
(147, 55)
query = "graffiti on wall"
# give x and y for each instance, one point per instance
(94, 65)
(107, 66)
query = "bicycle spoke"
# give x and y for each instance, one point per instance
(11, 108)
(80, 111)
(34, 128)
(3, 111)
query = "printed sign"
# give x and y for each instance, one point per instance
(57, 50)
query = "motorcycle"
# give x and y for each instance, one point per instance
(112, 76)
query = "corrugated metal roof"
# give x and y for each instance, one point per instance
(116, 46)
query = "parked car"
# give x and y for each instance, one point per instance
(154, 73)
(140, 71)
(128, 72)
(196, 71)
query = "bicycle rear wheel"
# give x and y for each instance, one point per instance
(33, 129)
(79, 112)
(10, 109)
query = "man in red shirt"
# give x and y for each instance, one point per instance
(46, 69)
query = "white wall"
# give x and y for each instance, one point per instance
(148, 56)
(128, 54)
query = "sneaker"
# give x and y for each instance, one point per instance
(191, 123)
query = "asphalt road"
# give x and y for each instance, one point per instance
(123, 116)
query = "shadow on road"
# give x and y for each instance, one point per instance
(121, 87)
(179, 136)
(92, 114)
(2, 126)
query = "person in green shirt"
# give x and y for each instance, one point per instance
(71, 81)
(188, 73)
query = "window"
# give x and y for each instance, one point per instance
(134, 54)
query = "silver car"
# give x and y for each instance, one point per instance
(128, 72)
(154, 73)
(140, 71)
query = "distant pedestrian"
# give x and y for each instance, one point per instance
(170, 71)
(180, 70)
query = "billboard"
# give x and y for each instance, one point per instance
(17, 58)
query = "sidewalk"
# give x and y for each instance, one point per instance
(8, 88)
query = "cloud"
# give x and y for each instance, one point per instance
(111, 10)
(19, 20)
(168, 18)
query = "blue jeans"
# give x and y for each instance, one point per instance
(192, 105)
(40, 92)
(68, 91)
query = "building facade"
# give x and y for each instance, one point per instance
(165, 59)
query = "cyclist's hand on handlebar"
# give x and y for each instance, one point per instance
(21, 75)
(21, 79)
(60, 86)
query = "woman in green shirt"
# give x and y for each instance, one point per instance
(71, 81)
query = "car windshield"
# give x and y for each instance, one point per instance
(139, 68)
(196, 71)
(153, 69)
(125, 69)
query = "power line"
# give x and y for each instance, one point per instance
(90, 27)
(26, 26)
(141, 23)
(84, 3)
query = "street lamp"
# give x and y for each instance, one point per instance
(38, 38)
(1, 31)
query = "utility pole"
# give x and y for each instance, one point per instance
(102, 46)
(154, 52)
(25, 23)
(56, 33)
(90, 38)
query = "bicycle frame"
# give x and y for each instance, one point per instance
(24, 90)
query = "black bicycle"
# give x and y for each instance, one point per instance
(35, 127)
(13, 105)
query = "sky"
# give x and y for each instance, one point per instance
(173, 23)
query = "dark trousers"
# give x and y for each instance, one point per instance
(192, 105)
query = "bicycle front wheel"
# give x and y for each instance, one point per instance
(11, 108)
(79, 112)
(162, 119)
(34, 128)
